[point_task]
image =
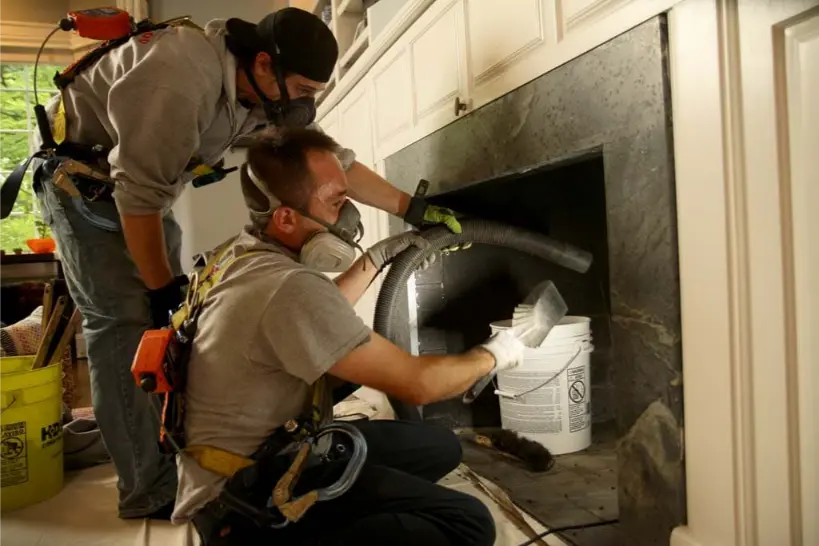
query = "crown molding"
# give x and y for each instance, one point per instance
(20, 41)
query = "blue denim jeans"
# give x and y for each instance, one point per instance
(104, 282)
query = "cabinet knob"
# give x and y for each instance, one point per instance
(459, 106)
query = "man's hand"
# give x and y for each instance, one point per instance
(384, 252)
(420, 213)
(166, 300)
(506, 348)
(442, 215)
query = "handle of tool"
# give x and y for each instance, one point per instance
(63, 320)
(65, 339)
(48, 334)
(477, 388)
(48, 293)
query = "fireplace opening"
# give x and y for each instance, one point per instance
(456, 300)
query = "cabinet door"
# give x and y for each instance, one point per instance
(356, 133)
(356, 124)
(504, 39)
(437, 57)
(392, 100)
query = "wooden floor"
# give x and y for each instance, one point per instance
(580, 488)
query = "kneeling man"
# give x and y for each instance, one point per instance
(274, 325)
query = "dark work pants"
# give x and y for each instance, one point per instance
(395, 501)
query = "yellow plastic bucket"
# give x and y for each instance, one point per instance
(31, 433)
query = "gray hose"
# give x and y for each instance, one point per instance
(474, 231)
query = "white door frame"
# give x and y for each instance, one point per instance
(742, 416)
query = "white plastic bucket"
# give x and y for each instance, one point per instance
(548, 397)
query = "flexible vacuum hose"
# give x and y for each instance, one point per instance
(473, 231)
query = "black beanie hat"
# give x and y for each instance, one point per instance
(306, 45)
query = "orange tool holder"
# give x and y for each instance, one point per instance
(106, 23)
(148, 367)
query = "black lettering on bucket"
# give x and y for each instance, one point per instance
(14, 454)
(50, 434)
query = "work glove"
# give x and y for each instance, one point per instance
(382, 253)
(166, 300)
(420, 213)
(506, 348)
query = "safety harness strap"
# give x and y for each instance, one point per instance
(69, 74)
(285, 508)
(212, 458)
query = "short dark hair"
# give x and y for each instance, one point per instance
(280, 162)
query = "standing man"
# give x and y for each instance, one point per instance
(159, 105)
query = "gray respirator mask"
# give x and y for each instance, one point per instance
(331, 251)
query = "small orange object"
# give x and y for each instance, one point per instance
(148, 367)
(108, 23)
(42, 246)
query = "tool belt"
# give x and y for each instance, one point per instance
(160, 366)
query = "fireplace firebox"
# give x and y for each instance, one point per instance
(584, 155)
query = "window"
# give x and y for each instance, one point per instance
(17, 125)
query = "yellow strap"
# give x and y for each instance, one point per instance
(212, 458)
(204, 280)
(202, 169)
(218, 460)
(319, 388)
(60, 124)
(59, 128)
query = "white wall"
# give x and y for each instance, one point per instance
(211, 214)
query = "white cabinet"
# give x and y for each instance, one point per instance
(506, 43)
(356, 125)
(462, 54)
(392, 100)
(422, 83)
(438, 64)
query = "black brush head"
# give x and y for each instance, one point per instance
(536, 457)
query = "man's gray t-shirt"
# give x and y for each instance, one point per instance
(266, 333)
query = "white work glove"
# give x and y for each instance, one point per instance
(506, 348)
(382, 253)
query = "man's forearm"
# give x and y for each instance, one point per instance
(446, 376)
(368, 187)
(355, 281)
(145, 239)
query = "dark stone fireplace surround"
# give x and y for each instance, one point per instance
(613, 101)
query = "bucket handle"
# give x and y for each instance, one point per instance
(10, 404)
(565, 367)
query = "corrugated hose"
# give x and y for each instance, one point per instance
(473, 231)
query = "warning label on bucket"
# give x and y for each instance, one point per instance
(578, 408)
(14, 469)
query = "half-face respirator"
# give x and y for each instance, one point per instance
(331, 251)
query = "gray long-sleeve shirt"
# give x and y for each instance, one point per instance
(156, 102)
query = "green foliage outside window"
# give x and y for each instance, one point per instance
(17, 126)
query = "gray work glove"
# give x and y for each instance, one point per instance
(506, 348)
(384, 252)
